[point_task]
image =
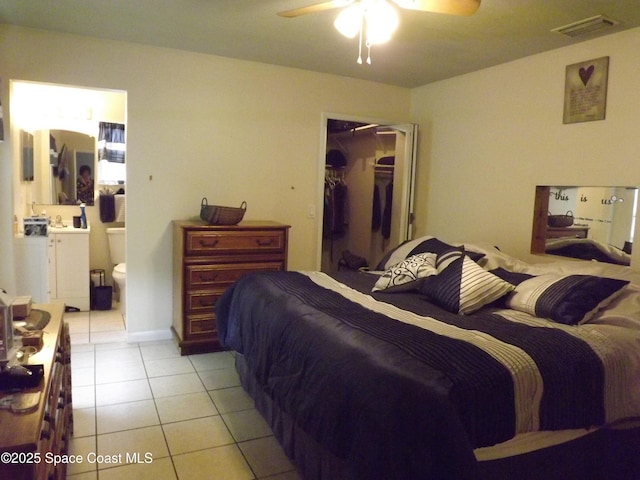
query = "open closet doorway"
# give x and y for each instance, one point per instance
(367, 188)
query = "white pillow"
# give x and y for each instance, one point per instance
(408, 274)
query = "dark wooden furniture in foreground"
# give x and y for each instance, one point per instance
(567, 232)
(206, 260)
(30, 442)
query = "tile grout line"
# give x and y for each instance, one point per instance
(138, 347)
(155, 404)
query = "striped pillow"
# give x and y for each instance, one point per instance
(568, 299)
(462, 286)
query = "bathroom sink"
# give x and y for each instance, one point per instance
(68, 229)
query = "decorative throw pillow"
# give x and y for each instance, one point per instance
(568, 299)
(462, 286)
(408, 274)
(427, 244)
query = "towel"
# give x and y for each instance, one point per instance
(107, 208)
(120, 207)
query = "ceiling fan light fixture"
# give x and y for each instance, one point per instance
(374, 21)
(382, 21)
(349, 21)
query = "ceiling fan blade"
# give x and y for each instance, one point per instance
(453, 7)
(318, 7)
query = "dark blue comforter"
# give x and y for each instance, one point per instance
(392, 399)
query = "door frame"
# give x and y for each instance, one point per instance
(408, 174)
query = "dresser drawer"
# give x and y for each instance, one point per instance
(567, 232)
(202, 300)
(200, 242)
(201, 325)
(223, 275)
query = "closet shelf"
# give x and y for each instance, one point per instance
(383, 169)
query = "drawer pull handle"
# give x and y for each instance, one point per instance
(264, 243)
(205, 303)
(210, 277)
(211, 244)
(45, 433)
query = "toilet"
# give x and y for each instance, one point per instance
(117, 249)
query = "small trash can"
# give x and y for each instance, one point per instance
(101, 294)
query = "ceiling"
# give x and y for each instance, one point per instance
(427, 47)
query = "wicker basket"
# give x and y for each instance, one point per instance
(217, 215)
(560, 220)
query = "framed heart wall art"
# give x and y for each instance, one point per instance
(585, 91)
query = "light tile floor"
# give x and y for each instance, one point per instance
(171, 417)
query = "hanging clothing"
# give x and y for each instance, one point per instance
(386, 215)
(335, 202)
(376, 212)
(334, 220)
(111, 142)
(64, 160)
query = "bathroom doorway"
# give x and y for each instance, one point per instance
(52, 113)
(367, 179)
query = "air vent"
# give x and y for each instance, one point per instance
(587, 26)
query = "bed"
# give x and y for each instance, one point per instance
(587, 249)
(433, 367)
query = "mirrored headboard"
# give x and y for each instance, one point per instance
(589, 223)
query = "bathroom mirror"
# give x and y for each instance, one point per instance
(589, 223)
(61, 166)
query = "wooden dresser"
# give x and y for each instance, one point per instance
(567, 232)
(30, 441)
(206, 260)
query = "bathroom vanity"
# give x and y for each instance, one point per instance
(55, 268)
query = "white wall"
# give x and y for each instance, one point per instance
(488, 138)
(234, 130)
(197, 125)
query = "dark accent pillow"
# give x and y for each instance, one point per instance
(420, 245)
(461, 285)
(568, 299)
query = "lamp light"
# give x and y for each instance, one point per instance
(374, 18)
(349, 21)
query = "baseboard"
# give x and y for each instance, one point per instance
(149, 336)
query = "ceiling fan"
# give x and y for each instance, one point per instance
(376, 20)
(452, 7)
